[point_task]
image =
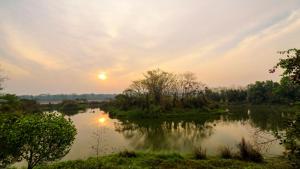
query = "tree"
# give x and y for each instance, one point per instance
(291, 70)
(290, 64)
(161, 92)
(263, 92)
(10, 142)
(45, 137)
(158, 83)
(9, 103)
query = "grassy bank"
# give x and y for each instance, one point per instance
(163, 161)
(136, 113)
(175, 113)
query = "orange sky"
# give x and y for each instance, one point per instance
(51, 47)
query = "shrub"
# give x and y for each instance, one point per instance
(248, 153)
(200, 153)
(226, 152)
(127, 154)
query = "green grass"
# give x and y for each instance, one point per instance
(164, 161)
(175, 113)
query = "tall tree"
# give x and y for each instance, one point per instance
(290, 64)
(158, 83)
(291, 70)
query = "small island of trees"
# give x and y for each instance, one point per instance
(161, 92)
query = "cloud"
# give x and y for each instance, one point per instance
(23, 47)
(251, 58)
(12, 70)
(71, 41)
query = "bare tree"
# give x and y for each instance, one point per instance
(158, 83)
(189, 86)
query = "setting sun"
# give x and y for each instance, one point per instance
(101, 120)
(102, 76)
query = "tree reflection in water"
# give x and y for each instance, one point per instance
(184, 135)
(166, 135)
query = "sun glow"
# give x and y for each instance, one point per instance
(102, 76)
(101, 120)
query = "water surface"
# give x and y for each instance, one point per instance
(99, 134)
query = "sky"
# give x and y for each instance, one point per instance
(49, 46)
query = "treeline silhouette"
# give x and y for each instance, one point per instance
(62, 97)
(161, 91)
(260, 92)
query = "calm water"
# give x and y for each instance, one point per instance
(175, 135)
(98, 133)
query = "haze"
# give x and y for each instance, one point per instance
(51, 46)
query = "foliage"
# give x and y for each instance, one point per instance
(35, 138)
(128, 154)
(61, 97)
(164, 161)
(9, 103)
(30, 107)
(291, 138)
(248, 153)
(10, 142)
(227, 95)
(71, 107)
(200, 153)
(226, 152)
(161, 92)
(260, 92)
(290, 64)
(45, 137)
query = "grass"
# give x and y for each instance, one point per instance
(226, 152)
(248, 153)
(163, 161)
(174, 113)
(127, 153)
(200, 153)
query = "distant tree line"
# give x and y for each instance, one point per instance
(260, 92)
(62, 97)
(161, 91)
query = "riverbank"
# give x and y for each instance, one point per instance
(174, 113)
(164, 161)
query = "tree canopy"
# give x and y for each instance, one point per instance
(45, 138)
(290, 64)
(36, 138)
(291, 67)
(160, 92)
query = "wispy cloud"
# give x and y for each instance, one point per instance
(71, 41)
(25, 48)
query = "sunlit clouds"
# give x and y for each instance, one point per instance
(51, 47)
